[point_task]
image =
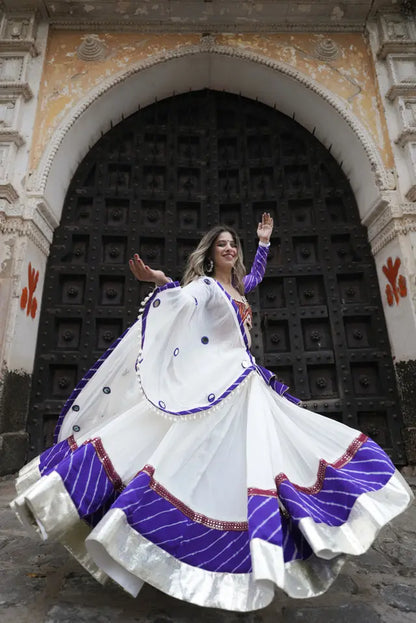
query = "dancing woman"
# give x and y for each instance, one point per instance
(181, 462)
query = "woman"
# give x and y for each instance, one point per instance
(235, 489)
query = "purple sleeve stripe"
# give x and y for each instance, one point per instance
(258, 269)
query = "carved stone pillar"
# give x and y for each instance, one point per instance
(392, 227)
(24, 236)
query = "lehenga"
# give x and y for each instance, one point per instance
(181, 462)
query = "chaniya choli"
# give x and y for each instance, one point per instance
(181, 462)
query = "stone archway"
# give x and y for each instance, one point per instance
(162, 177)
(220, 68)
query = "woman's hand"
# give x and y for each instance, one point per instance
(265, 228)
(142, 272)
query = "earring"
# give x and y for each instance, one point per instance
(209, 265)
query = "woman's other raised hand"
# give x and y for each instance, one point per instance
(265, 228)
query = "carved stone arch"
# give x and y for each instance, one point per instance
(209, 65)
(161, 178)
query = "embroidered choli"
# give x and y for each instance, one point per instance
(245, 312)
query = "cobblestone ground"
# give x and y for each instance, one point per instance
(40, 583)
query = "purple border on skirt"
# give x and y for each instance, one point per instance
(51, 457)
(267, 522)
(369, 470)
(86, 481)
(193, 543)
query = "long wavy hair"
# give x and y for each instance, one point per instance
(197, 263)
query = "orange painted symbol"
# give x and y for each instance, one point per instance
(27, 300)
(396, 287)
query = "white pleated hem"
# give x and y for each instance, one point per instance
(131, 559)
(47, 510)
(300, 579)
(28, 475)
(114, 549)
(371, 511)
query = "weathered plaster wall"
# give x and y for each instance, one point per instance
(347, 71)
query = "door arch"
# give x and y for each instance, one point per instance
(156, 182)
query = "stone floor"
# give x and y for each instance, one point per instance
(40, 583)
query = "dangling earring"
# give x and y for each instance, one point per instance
(209, 265)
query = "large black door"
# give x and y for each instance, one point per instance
(155, 183)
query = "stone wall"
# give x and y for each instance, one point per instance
(23, 237)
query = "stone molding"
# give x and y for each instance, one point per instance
(18, 32)
(7, 45)
(385, 180)
(219, 27)
(394, 228)
(389, 220)
(407, 114)
(402, 74)
(32, 229)
(403, 89)
(393, 42)
(18, 25)
(16, 88)
(225, 16)
(406, 136)
(396, 34)
(11, 136)
(17, 47)
(38, 205)
(13, 70)
(8, 192)
(396, 47)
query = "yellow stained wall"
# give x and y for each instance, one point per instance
(67, 79)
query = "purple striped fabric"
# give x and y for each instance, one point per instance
(94, 518)
(294, 544)
(82, 383)
(258, 269)
(53, 456)
(86, 480)
(163, 524)
(266, 522)
(212, 549)
(164, 521)
(264, 519)
(369, 470)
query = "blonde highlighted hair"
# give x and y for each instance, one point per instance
(197, 263)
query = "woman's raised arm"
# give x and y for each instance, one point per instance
(143, 272)
(256, 274)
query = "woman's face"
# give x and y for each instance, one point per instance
(224, 251)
